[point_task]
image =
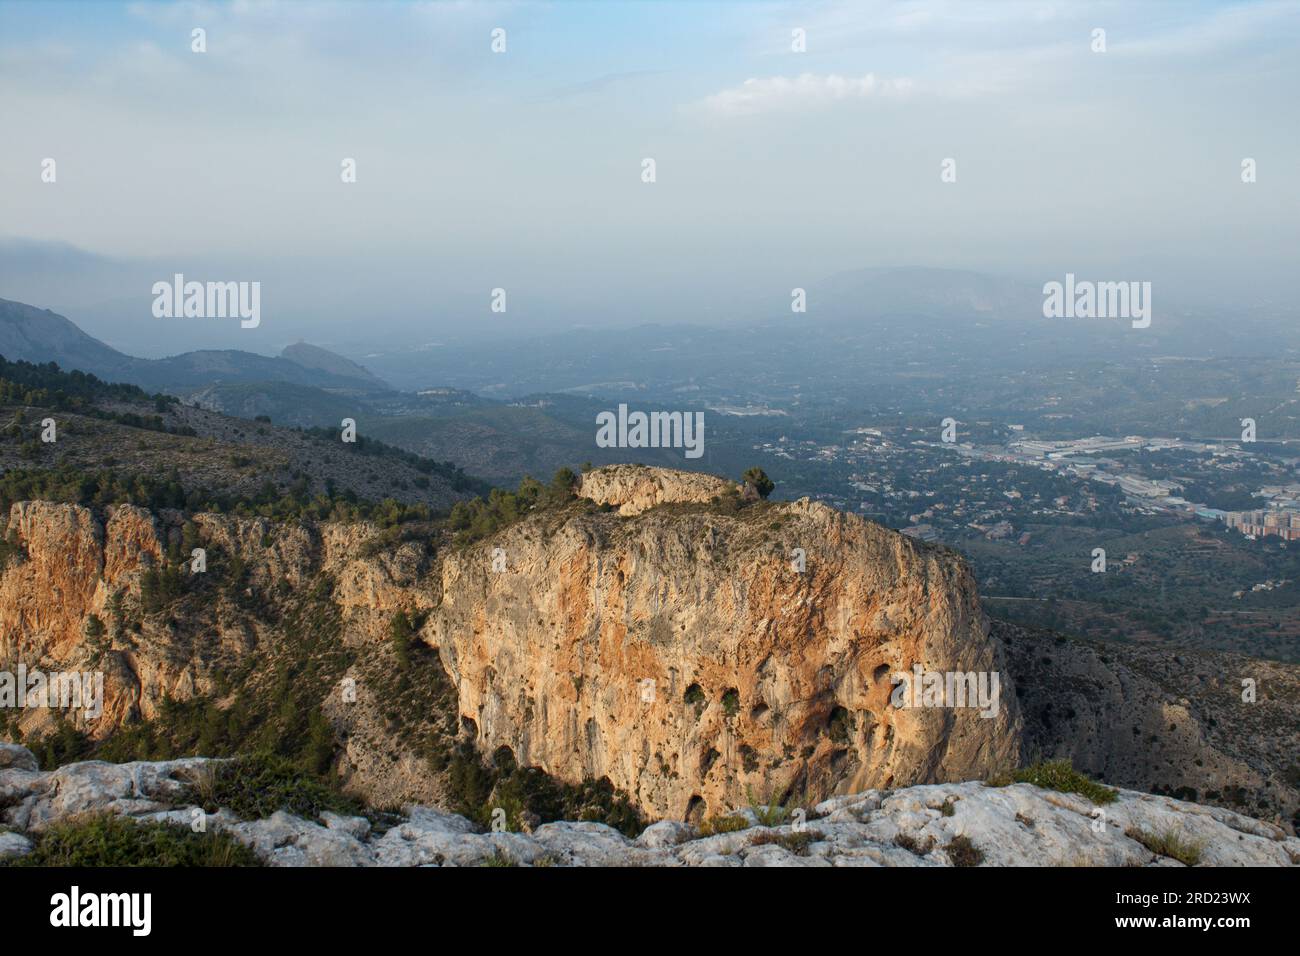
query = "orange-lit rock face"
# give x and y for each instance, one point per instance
(683, 655)
(69, 572)
(763, 677)
(71, 566)
(69, 563)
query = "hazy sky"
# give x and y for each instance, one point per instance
(523, 170)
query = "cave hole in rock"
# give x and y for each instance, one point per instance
(731, 701)
(695, 810)
(694, 696)
(839, 724)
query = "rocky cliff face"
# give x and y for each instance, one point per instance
(701, 656)
(689, 658)
(71, 565)
(694, 658)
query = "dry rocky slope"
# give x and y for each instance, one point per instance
(938, 825)
(225, 455)
(766, 679)
(1163, 721)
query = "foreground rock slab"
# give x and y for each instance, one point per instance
(935, 825)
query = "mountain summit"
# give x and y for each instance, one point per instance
(37, 335)
(313, 356)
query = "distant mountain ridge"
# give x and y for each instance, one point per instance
(39, 335)
(917, 290)
(323, 360)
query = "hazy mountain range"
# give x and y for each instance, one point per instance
(39, 335)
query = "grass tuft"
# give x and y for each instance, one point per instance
(769, 812)
(912, 845)
(730, 824)
(796, 842)
(1168, 843)
(964, 853)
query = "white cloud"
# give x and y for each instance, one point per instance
(1219, 31)
(805, 91)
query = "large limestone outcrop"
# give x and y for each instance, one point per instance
(634, 488)
(684, 655)
(763, 676)
(1019, 825)
(687, 658)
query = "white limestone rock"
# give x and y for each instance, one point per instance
(429, 840)
(665, 833)
(1017, 825)
(772, 854)
(92, 786)
(286, 840)
(15, 757)
(357, 827)
(14, 845)
(589, 844)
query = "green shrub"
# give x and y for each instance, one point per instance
(159, 587)
(271, 706)
(731, 702)
(1060, 776)
(108, 840)
(64, 744)
(253, 788)
(757, 479)
(97, 489)
(400, 633)
(482, 517)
